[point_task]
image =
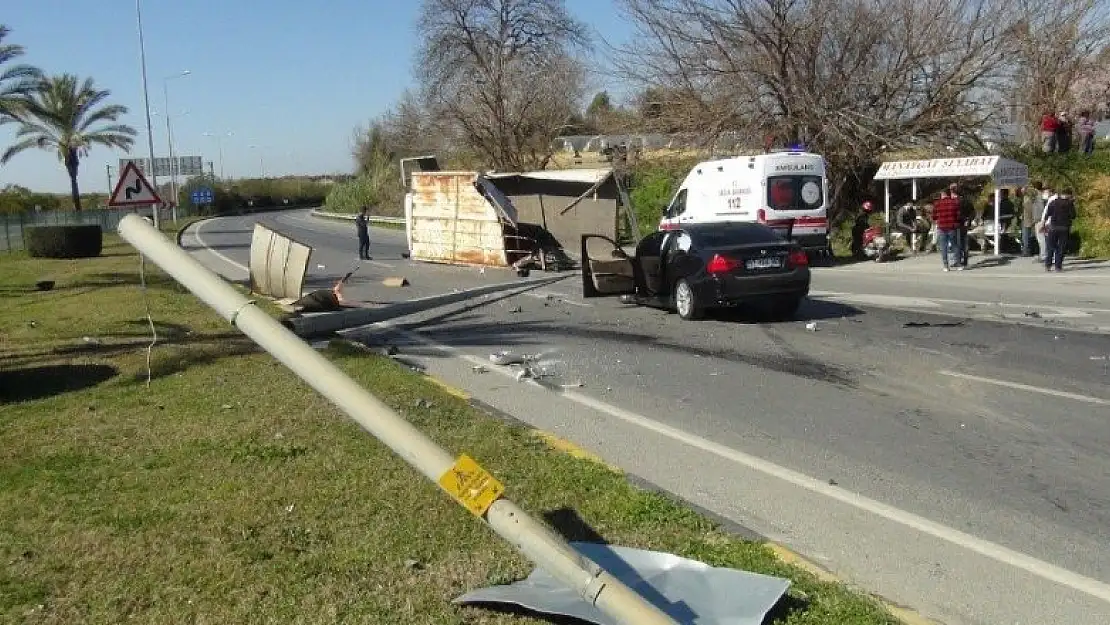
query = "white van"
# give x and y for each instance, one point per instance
(780, 189)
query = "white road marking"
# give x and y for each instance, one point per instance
(999, 553)
(933, 302)
(377, 263)
(981, 274)
(206, 247)
(1025, 387)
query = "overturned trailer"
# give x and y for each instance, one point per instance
(502, 219)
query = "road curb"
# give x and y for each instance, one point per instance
(190, 224)
(395, 223)
(322, 324)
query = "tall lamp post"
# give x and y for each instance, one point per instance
(261, 166)
(219, 146)
(146, 103)
(169, 141)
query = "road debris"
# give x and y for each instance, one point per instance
(1033, 314)
(930, 324)
(479, 369)
(506, 358)
(811, 326)
(516, 310)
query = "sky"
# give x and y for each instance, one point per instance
(293, 78)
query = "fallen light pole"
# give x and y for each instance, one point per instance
(462, 478)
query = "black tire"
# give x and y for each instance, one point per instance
(685, 301)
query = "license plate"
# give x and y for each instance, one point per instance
(764, 263)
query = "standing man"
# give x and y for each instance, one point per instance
(966, 212)
(1032, 205)
(946, 215)
(1058, 219)
(362, 224)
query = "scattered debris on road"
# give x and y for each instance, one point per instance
(395, 281)
(931, 324)
(1034, 314)
(506, 358)
(811, 326)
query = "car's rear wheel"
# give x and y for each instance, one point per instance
(685, 301)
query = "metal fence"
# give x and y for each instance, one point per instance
(13, 225)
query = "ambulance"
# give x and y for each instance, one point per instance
(786, 190)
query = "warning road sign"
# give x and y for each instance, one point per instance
(132, 189)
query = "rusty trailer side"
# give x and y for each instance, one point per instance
(452, 222)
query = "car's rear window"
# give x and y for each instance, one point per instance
(739, 234)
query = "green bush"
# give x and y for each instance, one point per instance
(83, 241)
(379, 188)
(653, 185)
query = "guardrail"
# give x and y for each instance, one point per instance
(349, 217)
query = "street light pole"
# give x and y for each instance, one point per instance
(220, 147)
(261, 165)
(146, 103)
(169, 140)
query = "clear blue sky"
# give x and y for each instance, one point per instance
(293, 77)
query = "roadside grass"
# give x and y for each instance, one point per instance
(228, 491)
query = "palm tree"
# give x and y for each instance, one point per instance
(62, 114)
(16, 81)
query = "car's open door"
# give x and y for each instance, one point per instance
(606, 268)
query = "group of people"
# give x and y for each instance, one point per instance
(1046, 216)
(1058, 129)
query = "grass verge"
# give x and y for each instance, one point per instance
(228, 491)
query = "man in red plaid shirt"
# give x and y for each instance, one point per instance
(946, 214)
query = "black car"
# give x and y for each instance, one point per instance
(700, 266)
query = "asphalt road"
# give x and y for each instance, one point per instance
(955, 465)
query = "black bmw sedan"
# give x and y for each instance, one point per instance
(697, 267)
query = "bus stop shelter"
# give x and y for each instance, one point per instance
(1003, 172)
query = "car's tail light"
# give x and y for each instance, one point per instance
(761, 216)
(721, 264)
(798, 258)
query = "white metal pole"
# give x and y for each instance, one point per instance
(173, 165)
(146, 102)
(886, 200)
(535, 540)
(997, 225)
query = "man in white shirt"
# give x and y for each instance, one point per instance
(1042, 239)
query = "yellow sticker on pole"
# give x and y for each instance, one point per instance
(471, 485)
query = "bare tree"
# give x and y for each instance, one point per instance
(849, 78)
(1061, 51)
(503, 73)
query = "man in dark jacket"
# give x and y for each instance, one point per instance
(362, 224)
(1058, 219)
(946, 214)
